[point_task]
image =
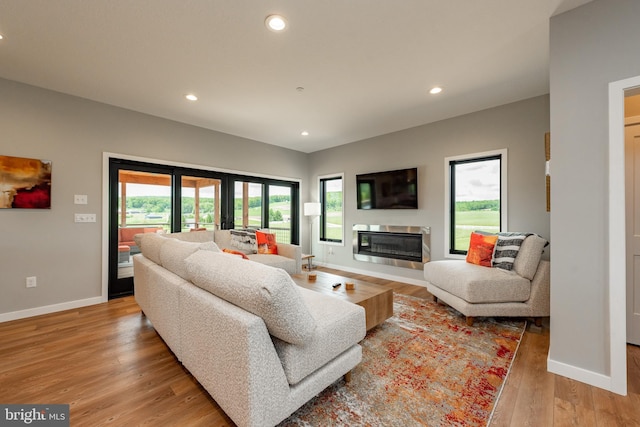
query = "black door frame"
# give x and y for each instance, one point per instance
(122, 287)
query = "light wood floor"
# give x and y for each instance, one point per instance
(108, 363)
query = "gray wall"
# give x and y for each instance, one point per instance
(73, 133)
(591, 46)
(519, 127)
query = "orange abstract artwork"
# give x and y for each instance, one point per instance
(25, 183)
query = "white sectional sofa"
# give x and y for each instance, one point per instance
(289, 256)
(258, 343)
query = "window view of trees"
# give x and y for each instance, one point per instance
(280, 205)
(249, 208)
(145, 198)
(279, 208)
(331, 192)
(154, 208)
(145, 206)
(476, 197)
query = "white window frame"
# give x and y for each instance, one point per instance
(332, 176)
(447, 194)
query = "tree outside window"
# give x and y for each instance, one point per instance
(477, 197)
(331, 218)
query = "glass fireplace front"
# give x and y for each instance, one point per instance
(402, 246)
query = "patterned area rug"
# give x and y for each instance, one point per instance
(422, 367)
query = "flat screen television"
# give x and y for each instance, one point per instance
(396, 189)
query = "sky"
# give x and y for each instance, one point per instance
(478, 181)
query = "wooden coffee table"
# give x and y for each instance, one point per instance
(376, 300)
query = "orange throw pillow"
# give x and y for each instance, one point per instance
(233, 252)
(481, 249)
(266, 243)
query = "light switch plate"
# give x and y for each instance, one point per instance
(85, 217)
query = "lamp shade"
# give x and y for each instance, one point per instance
(311, 209)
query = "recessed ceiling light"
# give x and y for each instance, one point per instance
(276, 23)
(304, 133)
(191, 97)
(435, 90)
(1, 37)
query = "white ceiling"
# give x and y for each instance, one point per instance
(365, 65)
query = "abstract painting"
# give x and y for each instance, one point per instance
(25, 183)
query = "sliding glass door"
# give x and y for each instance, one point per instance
(140, 201)
(200, 203)
(279, 212)
(151, 198)
(248, 206)
(267, 204)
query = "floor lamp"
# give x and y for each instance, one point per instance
(312, 210)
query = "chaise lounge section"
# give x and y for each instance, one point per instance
(479, 291)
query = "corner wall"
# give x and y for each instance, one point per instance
(591, 46)
(519, 127)
(73, 133)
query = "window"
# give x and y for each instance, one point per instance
(174, 198)
(476, 198)
(331, 216)
(280, 210)
(266, 204)
(247, 205)
(200, 202)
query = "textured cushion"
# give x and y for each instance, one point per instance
(340, 325)
(277, 261)
(481, 248)
(174, 252)
(197, 236)
(526, 263)
(150, 245)
(477, 284)
(267, 292)
(266, 243)
(223, 239)
(507, 248)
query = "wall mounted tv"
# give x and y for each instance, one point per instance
(396, 189)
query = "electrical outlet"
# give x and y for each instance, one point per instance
(80, 199)
(31, 282)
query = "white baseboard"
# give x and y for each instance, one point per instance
(37, 311)
(379, 275)
(579, 374)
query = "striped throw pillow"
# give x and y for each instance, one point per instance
(506, 249)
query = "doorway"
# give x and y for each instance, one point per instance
(617, 247)
(153, 198)
(632, 197)
(140, 201)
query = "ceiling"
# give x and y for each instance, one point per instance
(343, 70)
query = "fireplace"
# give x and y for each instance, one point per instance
(400, 246)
